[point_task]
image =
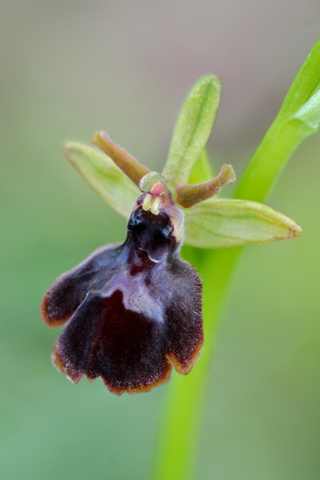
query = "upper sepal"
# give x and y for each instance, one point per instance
(192, 130)
(220, 223)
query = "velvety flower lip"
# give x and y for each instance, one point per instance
(130, 311)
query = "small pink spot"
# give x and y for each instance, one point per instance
(158, 189)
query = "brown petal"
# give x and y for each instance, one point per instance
(190, 195)
(128, 164)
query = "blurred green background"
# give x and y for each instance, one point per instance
(71, 68)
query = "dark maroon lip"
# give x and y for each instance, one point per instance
(130, 311)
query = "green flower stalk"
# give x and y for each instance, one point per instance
(132, 311)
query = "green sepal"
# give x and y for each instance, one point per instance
(192, 130)
(220, 223)
(101, 173)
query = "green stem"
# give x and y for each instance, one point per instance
(180, 430)
(179, 435)
(269, 160)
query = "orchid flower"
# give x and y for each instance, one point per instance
(132, 311)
